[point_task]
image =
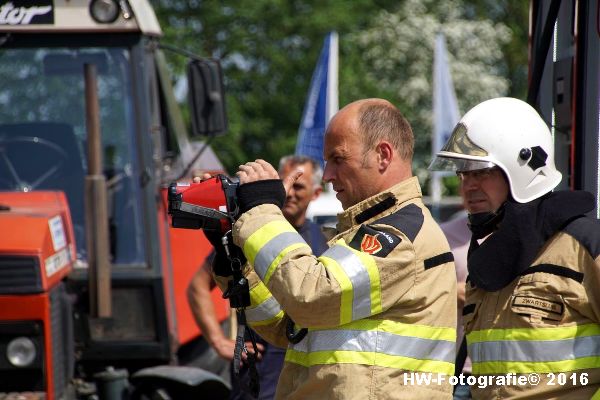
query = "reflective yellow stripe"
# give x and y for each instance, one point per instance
(519, 367)
(258, 239)
(379, 342)
(399, 328)
(264, 309)
(542, 350)
(368, 358)
(554, 333)
(277, 260)
(258, 294)
(265, 248)
(346, 286)
(369, 262)
(269, 321)
(358, 277)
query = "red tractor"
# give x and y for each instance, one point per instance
(92, 278)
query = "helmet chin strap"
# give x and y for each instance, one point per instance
(483, 223)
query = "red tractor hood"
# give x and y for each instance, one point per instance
(38, 225)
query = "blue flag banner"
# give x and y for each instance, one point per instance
(321, 103)
(445, 109)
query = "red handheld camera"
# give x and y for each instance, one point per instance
(210, 205)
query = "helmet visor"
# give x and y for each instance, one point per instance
(441, 163)
(460, 143)
(458, 153)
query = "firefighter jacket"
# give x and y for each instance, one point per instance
(379, 304)
(538, 337)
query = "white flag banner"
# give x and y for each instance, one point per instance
(445, 108)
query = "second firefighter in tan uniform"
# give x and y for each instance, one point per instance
(544, 326)
(379, 304)
(532, 309)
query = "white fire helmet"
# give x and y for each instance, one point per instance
(510, 134)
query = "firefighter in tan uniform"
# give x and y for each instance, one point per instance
(379, 304)
(532, 310)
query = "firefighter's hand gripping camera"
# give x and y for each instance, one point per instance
(212, 205)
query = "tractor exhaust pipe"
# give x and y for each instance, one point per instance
(96, 212)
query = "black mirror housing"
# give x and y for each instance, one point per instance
(206, 98)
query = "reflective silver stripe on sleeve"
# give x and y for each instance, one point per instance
(273, 249)
(535, 351)
(359, 277)
(266, 310)
(377, 342)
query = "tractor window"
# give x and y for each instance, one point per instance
(43, 135)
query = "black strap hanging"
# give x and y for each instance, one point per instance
(238, 293)
(293, 336)
(461, 357)
(240, 345)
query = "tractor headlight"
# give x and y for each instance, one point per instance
(21, 352)
(104, 11)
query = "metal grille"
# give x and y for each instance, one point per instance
(19, 275)
(62, 339)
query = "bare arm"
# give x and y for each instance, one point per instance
(204, 312)
(460, 291)
(200, 302)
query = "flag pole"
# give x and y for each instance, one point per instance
(445, 114)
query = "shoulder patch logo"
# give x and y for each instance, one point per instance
(374, 242)
(370, 244)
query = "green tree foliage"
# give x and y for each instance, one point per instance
(515, 15)
(268, 49)
(399, 47)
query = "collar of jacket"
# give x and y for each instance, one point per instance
(521, 235)
(406, 190)
(561, 207)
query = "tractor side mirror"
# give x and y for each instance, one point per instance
(206, 97)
